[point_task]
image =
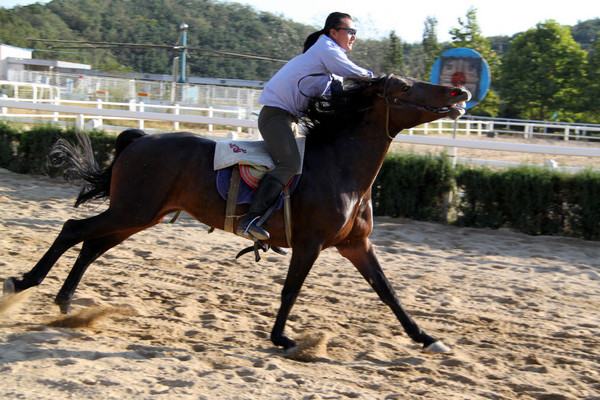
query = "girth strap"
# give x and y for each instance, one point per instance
(232, 196)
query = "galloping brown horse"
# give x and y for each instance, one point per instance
(347, 140)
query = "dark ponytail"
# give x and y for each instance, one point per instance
(333, 21)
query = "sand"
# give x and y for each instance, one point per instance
(170, 314)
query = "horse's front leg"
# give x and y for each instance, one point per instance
(303, 258)
(362, 256)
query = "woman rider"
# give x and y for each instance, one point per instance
(285, 97)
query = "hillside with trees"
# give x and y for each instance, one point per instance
(222, 36)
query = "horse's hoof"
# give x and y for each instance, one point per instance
(65, 307)
(437, 347)
(9, 286)
(284, 342)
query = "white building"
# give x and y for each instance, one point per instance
(16, 59)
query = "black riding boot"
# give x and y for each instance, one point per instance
(268, 192)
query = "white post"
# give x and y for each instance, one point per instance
(141, 121)
(176, 112)
(566, 134)
(4, 109)
(98, 121)
(56, 114)
(79, 122)
(210, 114)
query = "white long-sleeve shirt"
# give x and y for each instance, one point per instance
(289, 87)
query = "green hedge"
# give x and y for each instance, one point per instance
(532, 200)
(26, 151)
(413, 186)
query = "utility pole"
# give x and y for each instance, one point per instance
(182, 75)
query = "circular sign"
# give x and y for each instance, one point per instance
(465, 68)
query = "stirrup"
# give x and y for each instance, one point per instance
(258, 245)
(258, 234)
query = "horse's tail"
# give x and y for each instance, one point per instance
(79, 163)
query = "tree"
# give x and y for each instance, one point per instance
(469, 35)
(542, 73)
(592, 89)
(431, 45)
(393, 62)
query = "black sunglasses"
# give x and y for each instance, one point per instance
(351, 32)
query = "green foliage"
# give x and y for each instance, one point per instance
(469, 36)
(582, 192)
(586, 33)
(8, 135)
(394, 56)
(413, 186)
(33, 148)
(592, 88)
(543, 72)
(532, 200)
(431, 46)
(529, 72)
(33, 145)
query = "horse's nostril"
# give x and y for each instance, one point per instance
(456, 92)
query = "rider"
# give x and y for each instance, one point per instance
(285, 97)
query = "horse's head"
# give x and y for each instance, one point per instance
(397, 102)
(408, 102)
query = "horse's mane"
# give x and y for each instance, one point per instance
(326, 117)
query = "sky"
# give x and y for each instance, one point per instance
(377, 18)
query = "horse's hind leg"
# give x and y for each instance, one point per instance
(90, 251)
(66, 239)
(77, 231)
(362, 256)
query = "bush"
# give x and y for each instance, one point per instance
(34, 145)
(413, 186)
(524, 198)
(532, 200)
(582, 214)
(8, 134)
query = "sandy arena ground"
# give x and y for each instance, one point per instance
(170, 314)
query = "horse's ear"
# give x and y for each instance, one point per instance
(373, 86)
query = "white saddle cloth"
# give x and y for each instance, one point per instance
(251, 152)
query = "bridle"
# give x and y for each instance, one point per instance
(399, 103)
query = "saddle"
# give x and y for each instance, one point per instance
(240, 166)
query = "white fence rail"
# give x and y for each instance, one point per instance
(95, 111)
(81, 114)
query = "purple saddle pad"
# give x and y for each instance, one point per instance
(246, 193)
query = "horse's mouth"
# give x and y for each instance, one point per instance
(454, 111)
(457, 110)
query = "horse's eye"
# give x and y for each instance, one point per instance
(405, 88)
